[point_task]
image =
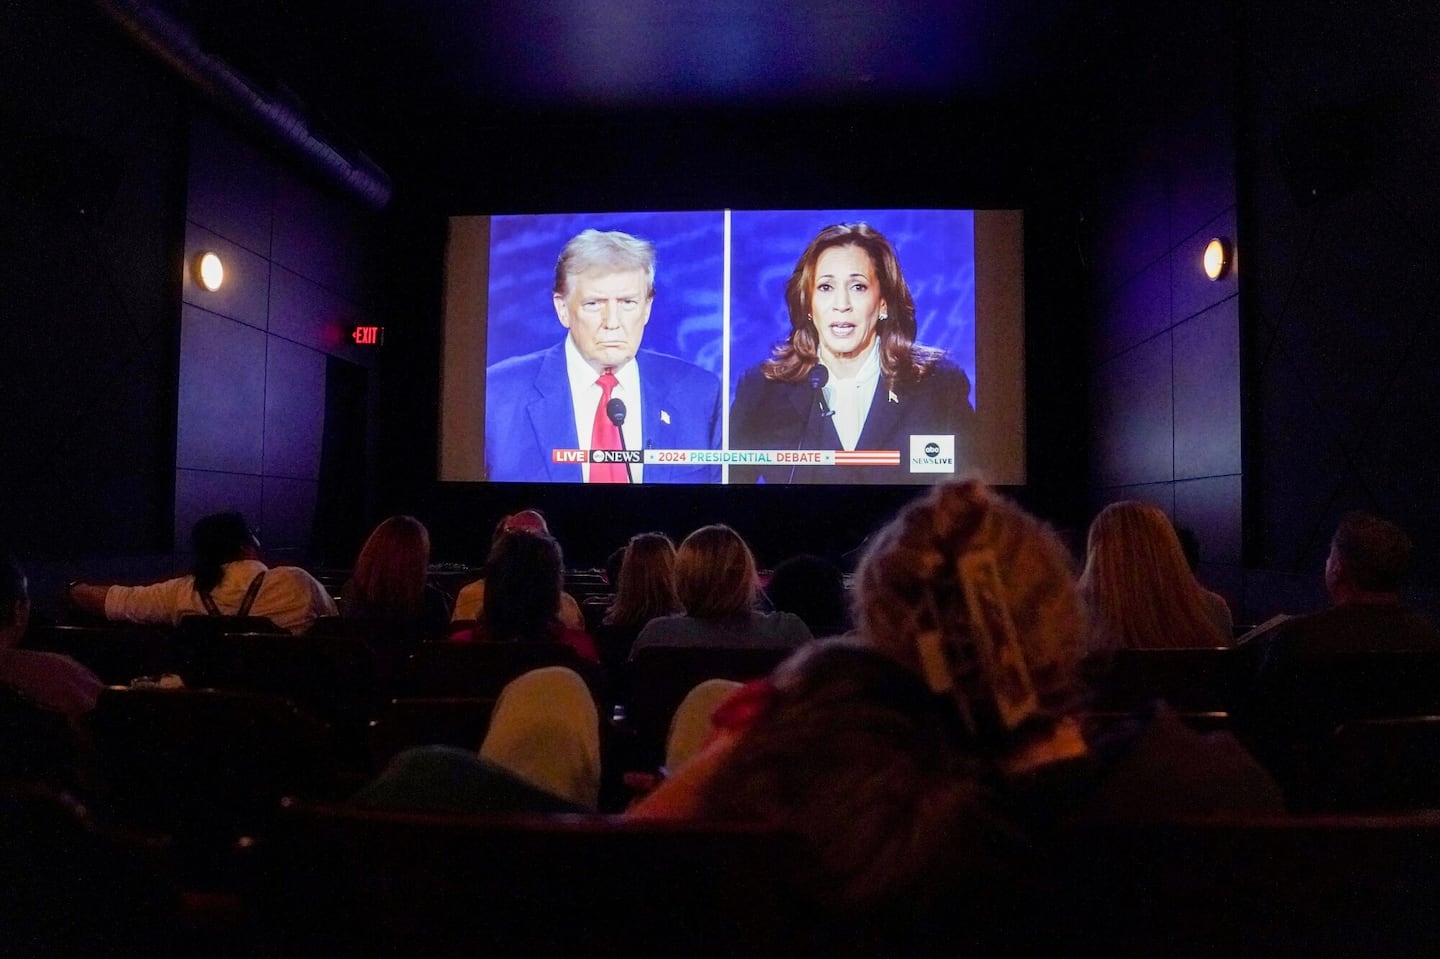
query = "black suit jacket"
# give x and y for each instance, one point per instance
(771, 415)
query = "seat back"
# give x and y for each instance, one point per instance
(483, 668)
(1324, 691)
(1257, 887)
(205, 765)
(117, 653)
(332, 677)
(74, 887)
(1191, 680)
(390, 642)
(199, 628)
(460, 721)
(1374, 765)
(364, 883)
(659, 678)
(37, 745)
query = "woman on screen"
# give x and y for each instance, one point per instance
(850, 376)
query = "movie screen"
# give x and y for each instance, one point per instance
(734, 346)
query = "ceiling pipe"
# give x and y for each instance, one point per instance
(176, 44)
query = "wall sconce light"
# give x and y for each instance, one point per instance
(209, 271)
(1218, 258)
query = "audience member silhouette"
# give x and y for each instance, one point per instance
(646, 591)
(813, 589)
(1139, 591)
(717, 585)
(522, 595)
(229, 579)
(546, 730)
(470, 601)
(1306, 670)
(51, 680)
(390, 581)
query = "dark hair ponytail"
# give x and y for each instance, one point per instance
(217, 539)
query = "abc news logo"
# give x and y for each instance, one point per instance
(617, 456)
(932, 454)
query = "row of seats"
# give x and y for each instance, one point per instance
(329, 880)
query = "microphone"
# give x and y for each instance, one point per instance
(819, 376)
(615, 410)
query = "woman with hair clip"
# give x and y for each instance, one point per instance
(920, 760)
(850, 375)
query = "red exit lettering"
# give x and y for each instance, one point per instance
(367, 335)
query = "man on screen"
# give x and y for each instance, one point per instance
(596, 389)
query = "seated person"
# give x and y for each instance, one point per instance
(525, 573)
(938, 745)
(51, 680)
(1138, 587)
(229, 580)
(390, 581)
(1367, 565)
(546, 730)
(717, 585)
(813, 589)
(470, 601)
(1304, 680)
(646, 591)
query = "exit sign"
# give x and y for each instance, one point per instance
(368, 335)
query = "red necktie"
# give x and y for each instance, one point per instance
(605, 435)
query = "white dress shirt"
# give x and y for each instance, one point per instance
(850, 397)
(585, 396)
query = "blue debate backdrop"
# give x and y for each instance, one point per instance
(936, 249)
(689, 279)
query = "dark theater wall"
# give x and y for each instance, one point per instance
(1166, 360)
(92, 166)
(134, 402)
(1261, 408)
(254, 354)
(1340, 181)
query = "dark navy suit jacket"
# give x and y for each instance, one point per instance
(772, 415)
(528, 413)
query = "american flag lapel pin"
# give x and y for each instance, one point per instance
(665, 415)
(893, 397)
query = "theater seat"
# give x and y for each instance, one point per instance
(660, 677)
(203, 765)
(366, 884)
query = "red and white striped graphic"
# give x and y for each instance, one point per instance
(867, 457)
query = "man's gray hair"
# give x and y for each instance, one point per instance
(610, 251)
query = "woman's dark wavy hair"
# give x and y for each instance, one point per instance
(217, 539)
(522, 588)
(902, 360)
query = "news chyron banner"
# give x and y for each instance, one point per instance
(731, 457)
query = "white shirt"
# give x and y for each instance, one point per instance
(289, 597)
(850, 397)
(585, 396)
